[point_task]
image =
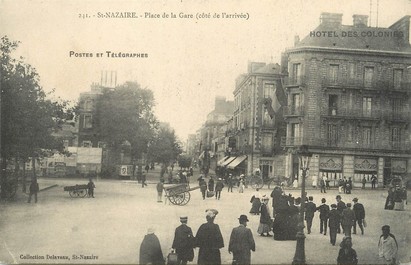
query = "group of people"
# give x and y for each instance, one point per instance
(396, 198)
(208, 239)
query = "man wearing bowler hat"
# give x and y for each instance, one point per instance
(241, 242)
(184, 242)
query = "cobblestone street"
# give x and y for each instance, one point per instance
(110, 227)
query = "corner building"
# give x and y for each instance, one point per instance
(348, 91)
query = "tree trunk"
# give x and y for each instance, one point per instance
(24, 188)
(33, 164)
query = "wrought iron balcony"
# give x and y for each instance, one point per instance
(396, 115)
(295, 81)
(293, 111)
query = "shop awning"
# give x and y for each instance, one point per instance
(222, 160)
(228, 161)
(237, 161)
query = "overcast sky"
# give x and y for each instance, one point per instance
(189, 61)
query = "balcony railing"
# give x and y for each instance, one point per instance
(396, 115)
(344, 144)
(293, 111)
(356, 83)
(351, 113)
(295, 81)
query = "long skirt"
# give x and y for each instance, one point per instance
(255, 207)
(263, 228)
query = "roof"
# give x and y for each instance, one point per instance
(354, 37)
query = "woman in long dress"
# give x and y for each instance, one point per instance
(265, 219)
(256, 203)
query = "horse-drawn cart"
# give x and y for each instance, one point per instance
(179, 194)
(77, 191)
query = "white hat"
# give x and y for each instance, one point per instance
(150, 230)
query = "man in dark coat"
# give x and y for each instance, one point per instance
(340, 207)
(218, 188)
(241, 242)
(347, 255)
(209, 240)
(276, 197)
(150, 249)
(203, 186)
(324, 210)
(90, 186)
(34, 188)
(333, 223)
(348, 220)
(310, 209)
(211, 184)
(359, 216)
(184, 242)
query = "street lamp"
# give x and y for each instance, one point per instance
(304, 156)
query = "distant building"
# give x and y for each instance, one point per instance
(349, 100)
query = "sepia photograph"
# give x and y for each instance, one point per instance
(205, 132)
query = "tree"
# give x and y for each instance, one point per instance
(28, 116)
(124, 116)
(184, 161)
(164, 146)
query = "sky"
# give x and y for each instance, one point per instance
(190, 60)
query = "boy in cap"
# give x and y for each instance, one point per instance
(241, 242)
(184, 242)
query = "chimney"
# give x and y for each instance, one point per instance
(360, 21)
(402, 26)
(331, 19)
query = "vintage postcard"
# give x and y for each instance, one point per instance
(205, 132)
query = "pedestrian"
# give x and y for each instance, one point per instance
(143, 180)
(218, 188)
(389, 202)
(322, 185)
(147, 168)
(363, 181)
(265, 219)
(314, 181)
(230, 183)
(150, 249)
(209, 240)
(310, 209)
(211, 184)
(340, 185)
(340, 207)
(324, 210)
(398, 199)
(387, 246)
(344, 183)
(34, 188)
(347, 255)
(241, 242)
(359, 211)
(203, 186)
(241, 184)
(348, 186)
(160, 188)
(373, 181)
(184, 242)
(276, 198)
(327, 182)
(333, 223)
(90, 186)
(348, 220)
(255, 202)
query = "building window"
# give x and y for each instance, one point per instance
(87, 121)
(333, 74)
(396, 137)
(267, 142)
(332, 134)
(350, 132)
(295, 134)
(332, 104)
(88, 105)
(397, 104)
(86, 144)
(295, 103)
(296, 73)
(366, 136)
(366, 106)
(397, 78)
(368, 76)
(351, 70)
(269, 91)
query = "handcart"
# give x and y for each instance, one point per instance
(77, 191)
(179, 194)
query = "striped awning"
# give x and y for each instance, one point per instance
(237, 161)
(222, 160)
(228, 161)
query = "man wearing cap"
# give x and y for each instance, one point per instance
(359, 216)
(387, 246)
(184, 242)
(209, 240)
(333, 223)
(348, 220)
(241, 242)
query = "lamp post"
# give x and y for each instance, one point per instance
(304, 157)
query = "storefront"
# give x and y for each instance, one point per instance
(266, 168)
(332, 168)
(365, 167)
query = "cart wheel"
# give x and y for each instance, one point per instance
(186, 198)
(172, 197)
(179, 198)
(73, 193)
(82, 193)
(257, 182)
